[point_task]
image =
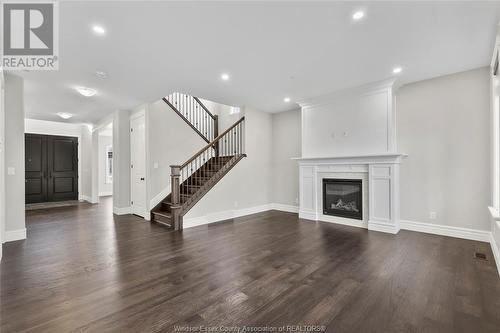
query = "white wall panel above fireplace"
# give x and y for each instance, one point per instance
(354, 121)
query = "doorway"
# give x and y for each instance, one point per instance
(51, 168)
(138, 164)
(105, 160)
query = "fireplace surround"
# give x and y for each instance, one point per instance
(380, 189)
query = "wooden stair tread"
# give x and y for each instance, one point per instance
(163, 214)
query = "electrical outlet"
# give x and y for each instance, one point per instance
(155, 165)
(11, 171)
(236, 204)
(297, 200)
(432, 215)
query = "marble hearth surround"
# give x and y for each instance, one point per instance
(380, 191)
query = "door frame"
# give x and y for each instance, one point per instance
(31, 128)
(47, 163)
(141, 112)
(2, 162)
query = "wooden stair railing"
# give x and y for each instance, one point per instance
(195, 114)
(195, 177)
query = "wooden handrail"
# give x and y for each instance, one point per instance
(214, 141)
(173, 107)
(204, 107)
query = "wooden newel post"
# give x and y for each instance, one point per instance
(175, 176)
(216, 134)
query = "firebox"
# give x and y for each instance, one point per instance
(343, 197)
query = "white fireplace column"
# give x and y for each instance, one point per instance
(383, 188)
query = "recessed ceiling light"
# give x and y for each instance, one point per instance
(358, 15)
(87, 92)
(397, 70)
(64, 115)
(101, 74)
(224, 76)
(286, 99)
(99, 29)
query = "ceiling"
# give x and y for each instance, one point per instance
(270, 49)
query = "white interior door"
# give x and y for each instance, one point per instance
(138, 165)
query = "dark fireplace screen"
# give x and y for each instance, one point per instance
(343, 197)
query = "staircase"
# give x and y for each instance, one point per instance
(195, 177)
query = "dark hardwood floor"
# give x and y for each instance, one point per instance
(81, 269)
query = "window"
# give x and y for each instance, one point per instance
(109, 165)
(234, 110)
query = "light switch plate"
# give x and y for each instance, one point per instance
(11, 171)
(155, 165)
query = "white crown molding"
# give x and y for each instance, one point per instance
(352, 159)
(340, 95)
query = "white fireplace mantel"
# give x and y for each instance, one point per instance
(380, 171)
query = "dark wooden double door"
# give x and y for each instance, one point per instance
(51, 164)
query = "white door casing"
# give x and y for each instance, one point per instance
(138, 165)
(2, 163)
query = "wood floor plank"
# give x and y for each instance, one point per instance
(83, 269)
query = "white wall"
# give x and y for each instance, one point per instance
(247, 185)
(121, 161)
(351, 122)
(86, 164)
(443, 126)
(104, 188)
(171, 142)
(286, 129)
(14, 158)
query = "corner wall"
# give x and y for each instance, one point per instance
(247, 186)
(103, 187)
(286, 143)
(443, 126)
(121, 162)
(14, 158)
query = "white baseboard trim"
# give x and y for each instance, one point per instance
(224, 215)
(159, 197)
(308, 215)
(14, 235)
(496, 252)
(381, 226)
(121, 210)
(105, 194)
(285, 208)
(87, 198)
(445, 230)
